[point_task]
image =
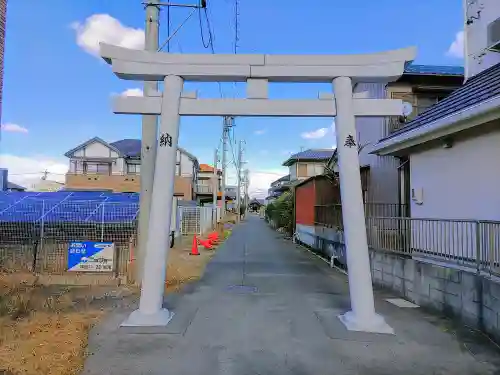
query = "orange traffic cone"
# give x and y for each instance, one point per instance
(194, 247)
(206, 244)
(213, 238)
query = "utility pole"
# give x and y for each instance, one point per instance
(150, 125)
(215, 187)
(225, 136)
(149, 140)
(246, 183)
(238, 171)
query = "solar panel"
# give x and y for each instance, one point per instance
(68, 207)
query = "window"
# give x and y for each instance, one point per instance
(293, 172)
(301, 170)
(425, 101)
(177, 169)
(97, 168)
(314, 169)
(420, 101)
(133, 168)
(77, 166)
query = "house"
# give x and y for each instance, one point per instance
(277, 188)
(307, 163)
(99, 165)
(420, 87)
(301, 165)
(255, 204)
(449, 154)
(205, 186)
(448, 159)
(383, 175)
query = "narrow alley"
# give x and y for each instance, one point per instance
(266, 306)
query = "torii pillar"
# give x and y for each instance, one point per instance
(257, 71)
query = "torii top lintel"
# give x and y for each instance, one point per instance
(142, 65)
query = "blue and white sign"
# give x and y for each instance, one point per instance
(90, 256)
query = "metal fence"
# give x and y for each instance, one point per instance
(35, 234)
(330, 215)
(468, 243)
(197, 220)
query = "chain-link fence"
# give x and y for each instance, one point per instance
(37, 229)
(197, 220)
(35, 233)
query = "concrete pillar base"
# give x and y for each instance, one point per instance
(375, 325)
(138, 319)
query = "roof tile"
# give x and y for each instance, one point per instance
(435, 70)
(128, 147)
(311, 154)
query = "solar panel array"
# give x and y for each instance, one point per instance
(67, 206)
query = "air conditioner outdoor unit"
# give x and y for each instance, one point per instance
(493, 33)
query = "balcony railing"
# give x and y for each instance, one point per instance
(393, 124)
(204, 189)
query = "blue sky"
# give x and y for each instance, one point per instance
(56, 89)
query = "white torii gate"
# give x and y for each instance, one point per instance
(257, 71)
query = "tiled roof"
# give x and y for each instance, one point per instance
(281, 179)
(435, 70)
(132, 148)
(207, 168)
(477, 89)
(310, 155)
(128, 147)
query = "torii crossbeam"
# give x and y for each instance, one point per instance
(257, 71)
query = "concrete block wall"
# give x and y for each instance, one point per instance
(475, 299)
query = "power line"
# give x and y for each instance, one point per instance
(211, 38)
(233, 140)
(236, 25)
(168, 28)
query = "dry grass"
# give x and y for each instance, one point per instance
(44, 329)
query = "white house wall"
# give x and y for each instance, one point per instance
(187, 166)
(476, 38)
(383, 182)
(96, 150)
(455, 183)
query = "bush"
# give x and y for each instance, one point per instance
(280, 212)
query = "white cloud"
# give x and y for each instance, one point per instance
(104, 28)
(14, 128)
(27, 170)
(260, 131)
(457, 47)
(261, 180)
(315, 134)
(132, 92)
